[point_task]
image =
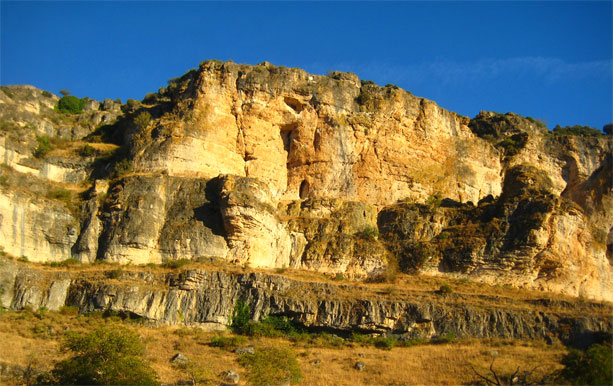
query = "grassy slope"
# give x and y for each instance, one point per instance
(33, 337)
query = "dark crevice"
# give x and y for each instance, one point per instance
(294, 104)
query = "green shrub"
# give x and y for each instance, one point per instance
(445, 289)
(123, 167)
(362, 339)
(197, 374)
(69, 310)
(60, 194)
(271, 366)
(434, 200)
(63, 263)
(8, 126)
(539, 122)
(592, 367)
(142, 120)
(151, 97)
(7, 91)
(369, 233)
(44, 146)
(329, 340)
(338, 277)
(448, 337)
(385, 342)
(392, 86)
(228, 342)
(240, 316)
(367, 82)
(416, 255)
(576, 130)
(174, 264)
(509, 145)
(109, 355)
(87, 151)
(280, 323)
(259, 329)
(70, 104)
(132, 104)
(114, 274)
(47, 94)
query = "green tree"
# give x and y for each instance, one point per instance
(608, 129)
(109, 355)
(240, 316)
(71, 104)
(592, 367)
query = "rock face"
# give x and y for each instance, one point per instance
(37, 229)
(206, 299)
(528, 237)
(273, 167)
(154, 219)
(255, 232)
(311, 135)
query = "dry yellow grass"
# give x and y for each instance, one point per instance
(33, 337)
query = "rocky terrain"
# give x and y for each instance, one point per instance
(271, 167)
(206, 298)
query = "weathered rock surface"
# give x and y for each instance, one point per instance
(36, 228)
(307, 135)
(154, 219)
(255, 233)
(528, 238)
(207, 298)
(273, 167)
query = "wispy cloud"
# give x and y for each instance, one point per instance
(549, 70)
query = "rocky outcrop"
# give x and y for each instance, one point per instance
(528, 237)
(273, 167)
(207, 298)
(256, 235)
(339, 237)
(154, 219)
(307, 135)
(34, 228)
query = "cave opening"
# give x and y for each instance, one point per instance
(304, 189)
(294, 104)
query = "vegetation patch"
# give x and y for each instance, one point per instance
(60, 194)
(44, 146)
(591, 367)
(585, 131)
(175, 264)
(70, 104)
(272, 366)
(108, 355)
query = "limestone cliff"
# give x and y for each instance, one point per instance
(206, 298)
(272, 167)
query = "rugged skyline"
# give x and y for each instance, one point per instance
(549, 60)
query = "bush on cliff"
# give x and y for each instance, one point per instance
(71, 104)
(240, 316)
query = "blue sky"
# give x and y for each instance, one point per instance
(550, 60)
